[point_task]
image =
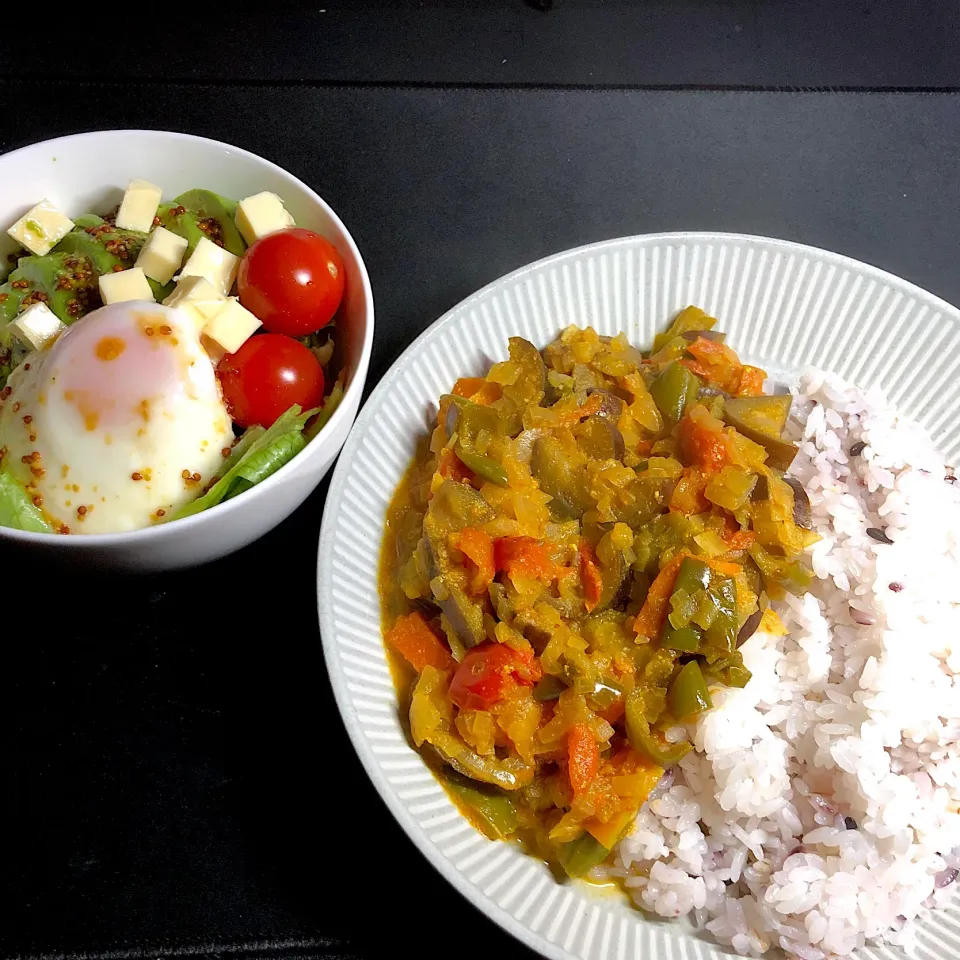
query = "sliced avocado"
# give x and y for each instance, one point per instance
(66, 282)
(103, 245)
(207, 203)
(10, 253)
(88, 220)
(67, 278)
(9, 302)
(203, 213)
(106, 248)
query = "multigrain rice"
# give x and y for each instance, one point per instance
(819, 810)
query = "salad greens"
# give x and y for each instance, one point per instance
(256, 455)
(326, 411)
(17, 509)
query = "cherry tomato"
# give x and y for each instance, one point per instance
(486, 673)
(266, 376)
(292, 281)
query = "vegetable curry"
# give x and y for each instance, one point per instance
(570, 566)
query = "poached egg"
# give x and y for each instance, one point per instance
(120, 423)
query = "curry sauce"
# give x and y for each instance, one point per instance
(569, 567)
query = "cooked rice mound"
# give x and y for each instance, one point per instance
(820, 808)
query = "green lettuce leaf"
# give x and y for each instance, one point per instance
(17, 509)
(320, 344)
(255, 456)
(326, 411)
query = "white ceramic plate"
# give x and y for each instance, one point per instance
(783, 306)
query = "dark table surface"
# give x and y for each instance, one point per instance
(176, 776)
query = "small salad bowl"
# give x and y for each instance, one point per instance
(89, 173)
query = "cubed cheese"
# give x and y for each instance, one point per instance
(231, 326)
(41, 228)
(126, 285)
(37, 326)
(198, 297)
(261, 214)
(213, 263)
(161, 256)
(139, 207)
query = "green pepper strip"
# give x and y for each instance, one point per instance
(468, 419)
(482, 466)
(721, 635)
(694, 575)
(688, 693)
(684, 640)
(736, 675)
(728, 670)
(652, 702)
(673, 390)
(496, 812)
(642, 739)
(580, 856)
(693, 578)
(549, 688)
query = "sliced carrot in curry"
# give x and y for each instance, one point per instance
(713, 353)
(524, 556)
(452, 467)
(477, 390)
(687, 496)
(489, 393)
(614, 713)
(583, 757)
(741, 540)
(695, 367)
(574, 415)
(654, 610)
(478, 549)
(589, 576)
(751, 382)
(721, 363)
(412, 637)
(702, 440)
(725, 567)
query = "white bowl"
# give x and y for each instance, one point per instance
(88, 173)
(783, 306)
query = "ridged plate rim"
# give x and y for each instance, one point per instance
(364, 728)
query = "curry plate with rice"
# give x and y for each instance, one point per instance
(611, 590)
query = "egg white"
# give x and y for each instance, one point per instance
(120, 423)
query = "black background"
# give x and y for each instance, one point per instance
(758, 43)
(176, 778)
